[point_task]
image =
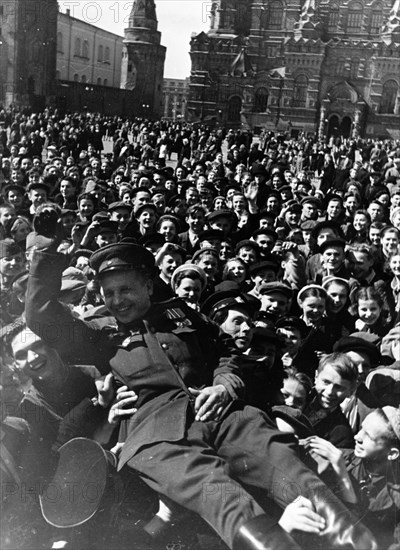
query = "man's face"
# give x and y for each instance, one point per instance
(275, 303)
(120, 215)
(26, 164)
(105, 237)
(192, 196)
(247, 254)
(360, 264)
(332, 258)
(390, 241)
(375, 210)
(127, 295)
(169, 263)
(310, 211)
(147, 218)
(196, 221)
(351, 205)
(209, 264)
(292, 339)
(37, 197)
(265, 242)
(224, 224)
(10, 266)
(375, 236)
(370, 443)
(142, 197)
(168, 229)
(7, 216)
(34, 359)
(15, 199)
(237, 325)
(331, 388)
(272, 204)
(362, 362)
(333, 210)
(265, 275)
(66, 189)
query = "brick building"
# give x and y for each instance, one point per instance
(175, 96)
(319, 66)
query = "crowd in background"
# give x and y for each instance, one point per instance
(299, 238)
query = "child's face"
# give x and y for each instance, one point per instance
(395, 265)
(294, 393)
(331, 387)
(313, 308)
(368, 311)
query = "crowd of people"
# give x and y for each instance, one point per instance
(213, 318)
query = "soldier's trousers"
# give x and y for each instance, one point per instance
(204, 471)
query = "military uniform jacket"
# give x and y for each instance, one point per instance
(171, 349)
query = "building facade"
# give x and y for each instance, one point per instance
(87, 54)
(28, 34)
(175, 97)
(318, 66)
(143, 59)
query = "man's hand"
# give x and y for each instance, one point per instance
(300, 516)
(210, 402)
(105, 390)
(123, 406)
(326, 450)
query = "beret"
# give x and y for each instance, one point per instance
(265, 231)
(276, 286)
(327, 224)
(329, 243)
(8, 247)
(292, 206)
(14, 187)
(312, 200)
(171, 218)
(227, 299)
(121, 256)
(119, 204)
(308, 225)
(249, 244)
(152, 238)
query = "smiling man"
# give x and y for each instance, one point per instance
(189, 416)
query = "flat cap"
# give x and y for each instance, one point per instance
(147, 206)
(228, 299)
(119, 204)
(223, 213)
(330, 243)
(265, 264)
(289, 321)
(122, 256)
(357, 344)
(276, 286)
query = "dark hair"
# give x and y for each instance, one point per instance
(189, 274)
(342, 364)
(300, 377)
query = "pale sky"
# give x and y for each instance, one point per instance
(177, 20)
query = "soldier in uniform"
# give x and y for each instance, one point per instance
(192, 439)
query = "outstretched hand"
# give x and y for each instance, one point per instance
(300, 516)
(210, 402)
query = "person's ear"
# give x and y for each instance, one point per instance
(393, 453)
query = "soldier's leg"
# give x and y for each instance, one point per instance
(191, 474)
(261, 456)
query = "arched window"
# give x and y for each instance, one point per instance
(99, 82)
(105, 83)
(100, 53)
(389, 95)
(107, 55)
(376, 19)
(60, 42)
(76, 77)
(333, 18)
(355, 18)
(83, 79)
(234, 108)
(261, 100)
(85, 49)
(77, 50)
(275, 19)
(58, 75)
(300, 88)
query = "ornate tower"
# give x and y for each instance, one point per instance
(143, 60)
(28, 52)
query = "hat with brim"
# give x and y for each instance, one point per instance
(327, 224)
(142, 207)
(291, 322)
(76, 489)
(123, 256)
(295, 418)
(257, 267)
(230, 299)
(38, 185)
(275, 287)
(358, 345)
(119, 205)
(332, 243)
(267, 335)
